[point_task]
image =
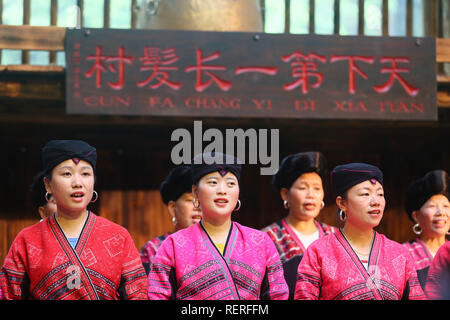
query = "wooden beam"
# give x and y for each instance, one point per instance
(46, 83)
(80, 4)
(360, 17)
(52, 39)
(287, 16)
(32, 38)
(31, 68)
(312, 18)
(53, 22)
(37, 89)
(409, 18)
(26, 21)
(442, 50)
(385, 18)
(337, 16)
(106, 13)
(431, 12)
(443, 79)
(443, 98)
(133, 15)
(1, 22)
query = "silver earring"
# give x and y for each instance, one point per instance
(174, 220)
(47, 196)
(342, 216)
(417, 229)
(239, 206)
(323, 204)
(194, 202)
(96, 197)
(286, 204)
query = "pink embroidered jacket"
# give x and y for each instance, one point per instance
(189, 266)
(438, 281)
(422, 258)
(331, 270)
(149, 250)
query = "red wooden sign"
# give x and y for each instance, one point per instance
(233, 74)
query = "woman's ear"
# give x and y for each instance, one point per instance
(284, 193)
(41, 211)
(195, 191)
(171, 207)
(341, 203)
(414, 216)
(47, 185)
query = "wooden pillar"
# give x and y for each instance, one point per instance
(445, 18)
(26, 21)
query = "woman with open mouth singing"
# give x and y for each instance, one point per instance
(217, 258)
(72, 254)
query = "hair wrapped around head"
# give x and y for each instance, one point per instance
(294, 165)
(177, 182)
(57, 151)
(37, 190)
(420, 190)
(205, 163)
(345, 176)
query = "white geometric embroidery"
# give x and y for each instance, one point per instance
(114, 245)
(60, 258)
(88, 257)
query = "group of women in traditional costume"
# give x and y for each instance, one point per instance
(74, 254)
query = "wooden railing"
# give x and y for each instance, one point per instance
(432, 17)
(32, 38)
(432, 9)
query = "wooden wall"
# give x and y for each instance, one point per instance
(134, 157)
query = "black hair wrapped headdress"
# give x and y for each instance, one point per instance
(422, 189)
(177, 182)
(205, 163)
(345, 176)
(294, 165)
(57, 151)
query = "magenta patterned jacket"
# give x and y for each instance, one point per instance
(422, 259)
(331, 270)
(189, 266)
(438, 281)
(149, 250)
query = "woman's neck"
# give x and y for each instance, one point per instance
(432, 243)
(217, 232)
(360, 239)
(72, 224)
(306, 227)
